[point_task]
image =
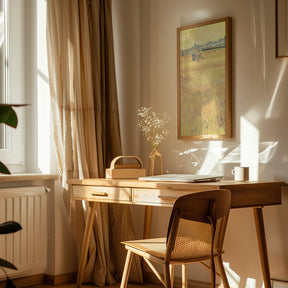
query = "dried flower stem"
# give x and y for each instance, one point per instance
(153, 125)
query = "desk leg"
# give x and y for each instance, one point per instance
(146, 234)
(85, 244)
(147, 222)
(260, 229)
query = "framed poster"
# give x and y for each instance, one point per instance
(281, 28)
(204, 80)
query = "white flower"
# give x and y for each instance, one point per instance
(153, 125)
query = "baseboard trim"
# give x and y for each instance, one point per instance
(60, 279)
(26, 281)
(38, 279)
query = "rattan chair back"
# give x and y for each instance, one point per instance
(196, 224)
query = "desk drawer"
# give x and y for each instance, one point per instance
(157, 197)
(102, 194)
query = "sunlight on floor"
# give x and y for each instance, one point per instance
(250, 283)
(233, 277)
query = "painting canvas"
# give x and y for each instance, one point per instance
(281, 28)
(204, 80)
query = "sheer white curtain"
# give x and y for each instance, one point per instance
(86, 124)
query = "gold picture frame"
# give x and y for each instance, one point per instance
(281, 8)
(204, 75)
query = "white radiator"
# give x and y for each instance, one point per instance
(26, 249)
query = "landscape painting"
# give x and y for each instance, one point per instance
(204, 80)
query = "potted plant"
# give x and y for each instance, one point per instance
(7, 228)
(8, 117)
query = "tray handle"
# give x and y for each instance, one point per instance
(113, 162)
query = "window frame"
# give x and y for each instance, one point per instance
(13, 153)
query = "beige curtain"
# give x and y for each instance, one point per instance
(86, 124)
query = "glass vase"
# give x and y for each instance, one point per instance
(155, 166)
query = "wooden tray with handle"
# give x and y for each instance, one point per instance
(125, 171)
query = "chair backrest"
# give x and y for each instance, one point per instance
(198, 222)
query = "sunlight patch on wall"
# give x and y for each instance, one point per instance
(188, 151)
(279, 79)
(266, 152)
(207, 156)
(249, 155)
(250, 152)
(212, 158)
(43, 91)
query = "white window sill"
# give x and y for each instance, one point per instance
(27, 177)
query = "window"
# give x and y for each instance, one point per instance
(2, 66)
(24, 71)
(12, 80)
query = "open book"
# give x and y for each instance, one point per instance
(183, 178)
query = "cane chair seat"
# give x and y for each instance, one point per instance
(195, 234)
(156, 247)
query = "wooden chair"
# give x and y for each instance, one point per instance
(195, 234)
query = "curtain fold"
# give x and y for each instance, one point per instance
(86, 125)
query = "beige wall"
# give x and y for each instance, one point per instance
(145, 41)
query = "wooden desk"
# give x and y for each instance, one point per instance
(243, 194)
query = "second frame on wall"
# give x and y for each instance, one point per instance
(204, 80)
(281, 9)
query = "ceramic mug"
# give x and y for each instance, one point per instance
(240, 173)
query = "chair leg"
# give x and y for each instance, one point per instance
(184, 276)
(212, 278)
(126, 270)
(171, 266)
(166, 276)
(222, 272)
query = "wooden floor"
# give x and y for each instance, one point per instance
(73, 285)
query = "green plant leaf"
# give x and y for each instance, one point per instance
(9, 283)
(4, 169)
(9, 227)
(8, 116)
(7, 264)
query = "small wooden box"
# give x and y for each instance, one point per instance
(125, 171)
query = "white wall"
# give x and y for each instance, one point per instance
(145, 41)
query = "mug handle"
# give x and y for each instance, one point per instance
(233, 171)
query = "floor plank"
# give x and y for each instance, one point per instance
(73, 285)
